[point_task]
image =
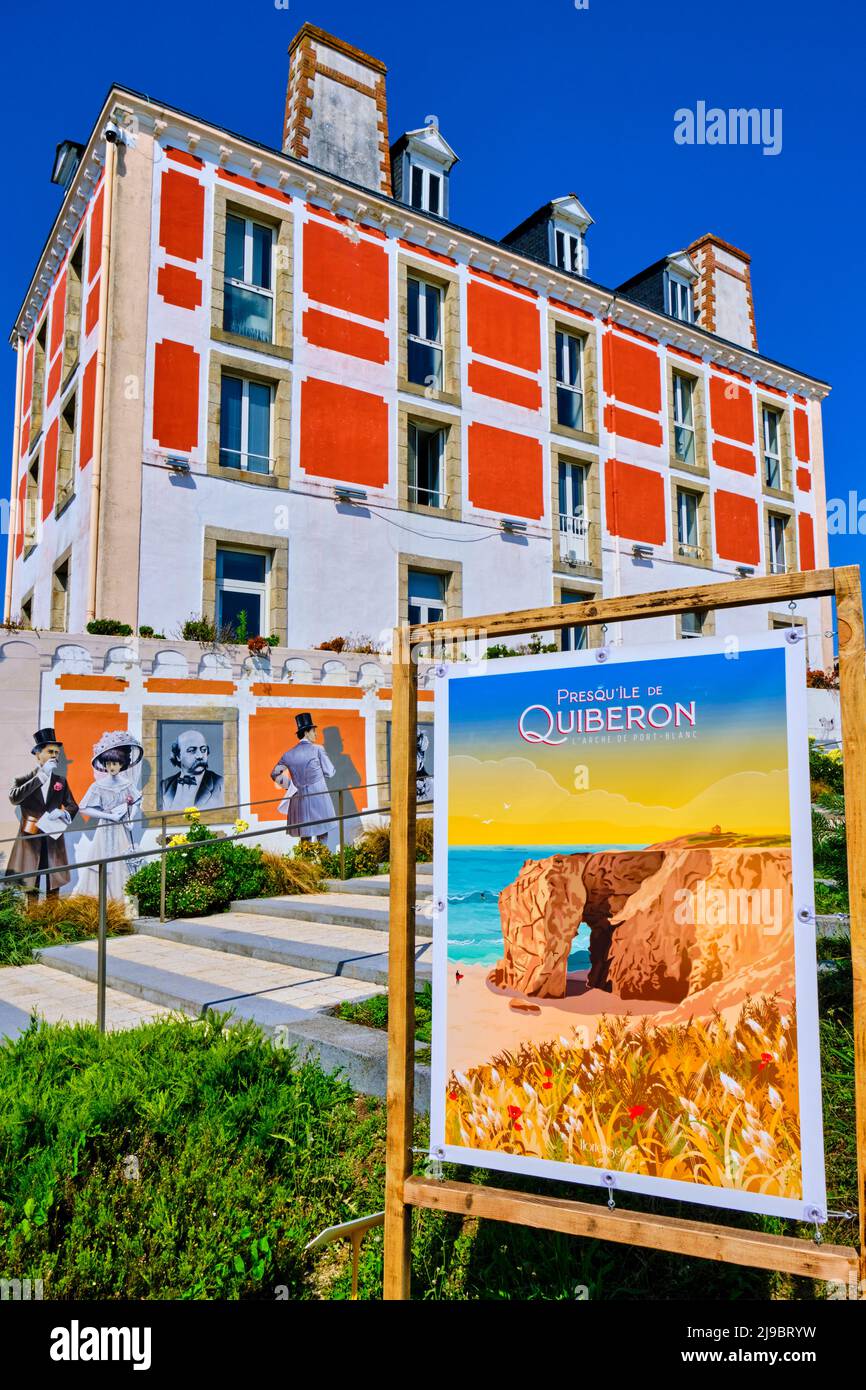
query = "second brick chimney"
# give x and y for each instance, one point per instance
(336, 111)
(723, 293)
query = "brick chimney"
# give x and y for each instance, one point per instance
(723, 294)
(336, 110)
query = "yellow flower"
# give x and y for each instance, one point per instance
(192, 813)
(241, 826)
(177, 840)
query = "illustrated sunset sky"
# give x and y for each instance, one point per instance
(733, 773)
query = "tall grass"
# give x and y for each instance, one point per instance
(24, 930)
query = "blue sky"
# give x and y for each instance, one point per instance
(537, 100)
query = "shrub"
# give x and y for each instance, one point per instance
(145, 631)
(355, 642)
(257, 646)
(825, 771)
(198, 630)
(288, 874)
(376, 842)
(108, 627)
(25, 930)
(531, 648)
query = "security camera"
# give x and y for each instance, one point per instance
(113, 134)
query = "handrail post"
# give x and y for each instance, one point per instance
(101, 946)
(342, 834)
(164, 821)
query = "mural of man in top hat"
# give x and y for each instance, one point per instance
(311, 809)
(40, 792)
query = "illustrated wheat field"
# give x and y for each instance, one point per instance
(698, 1102)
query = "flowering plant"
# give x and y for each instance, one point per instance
(241, 826)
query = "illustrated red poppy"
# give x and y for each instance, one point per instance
(514, 1111)
(453, 1095)
(547, 1085)
(635, 1111)
(766, 1057)
(519, 1127)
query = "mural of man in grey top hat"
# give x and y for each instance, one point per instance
(42, 795)
(307, 765)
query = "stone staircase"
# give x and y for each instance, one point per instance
(284, 963)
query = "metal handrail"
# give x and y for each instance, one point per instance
(163, 850)
(167, 815)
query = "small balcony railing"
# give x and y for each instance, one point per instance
(574, 539)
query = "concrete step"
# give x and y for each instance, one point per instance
(337, 909)
(348, 952)
(57, 998)
(378, 886)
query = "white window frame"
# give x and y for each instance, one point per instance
(777, 526)
(423, 603)
(245, 586)
(426, 175)
(419, 337)
(684, 420)
(244, 451)
(770, 456)
(416, 427)
(247, 283)
(573, 522)
(699, 618)
(688, 508)
(571, 244)
(680, 295)
(576, 386)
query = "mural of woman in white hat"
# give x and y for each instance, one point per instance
(306, 766)
(112, 800)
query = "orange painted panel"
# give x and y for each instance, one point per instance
(54, 379)
(801, 436)
(58, 307)
(729, 456)
(632, 373)
(181, 215)
(88, 407)
(625, 422)
(506, 284)
(807, 541)
(49, 469)
(804, 480)
(737, 533)
(94, 256)
(344, 433)
(348, 275)
(188, 686)
(22, 494)
(342, 734)
(307, 692)
(635, 502)
(179, 286)
(342, 335)
(505, 472)
(731, 409)
(91, 316)
(426, 252)
(690, 356)
(564, 308)
(183, 157)
(254, 184)
(72, 682)
(79, 726)
(385, 693)
(503, 326)
(175, 395)
(504, 386)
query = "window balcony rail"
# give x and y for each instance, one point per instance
(248, 310)
(427, 497)
(244, 461)
(574, 539)
(692, 552)
(779, 567)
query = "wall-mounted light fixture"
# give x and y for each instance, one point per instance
(511, 526)
(351, 496)
(642, 552)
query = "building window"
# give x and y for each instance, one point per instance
(27, 610)
(692, 624)
(60, 598)
(688, 530)
(38, 396)
(771, 420)
(569, 380)
(573, 520)
(568, 252)
(426, 465)
(425, 333)
(31, 506)
(776, 528)
(425, 190)
(426, 596)
(248, 305)
(72, 324)
(684, 419)
(242, 580)
(574, 639)
(245, 424)
(680, 305)
(66, 455)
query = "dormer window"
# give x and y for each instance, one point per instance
(426, 189)
(680, 303)
(568, 250)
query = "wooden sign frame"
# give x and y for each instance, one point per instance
(700, 1239)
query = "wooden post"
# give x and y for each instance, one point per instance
(852, 693)
(401, 970)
